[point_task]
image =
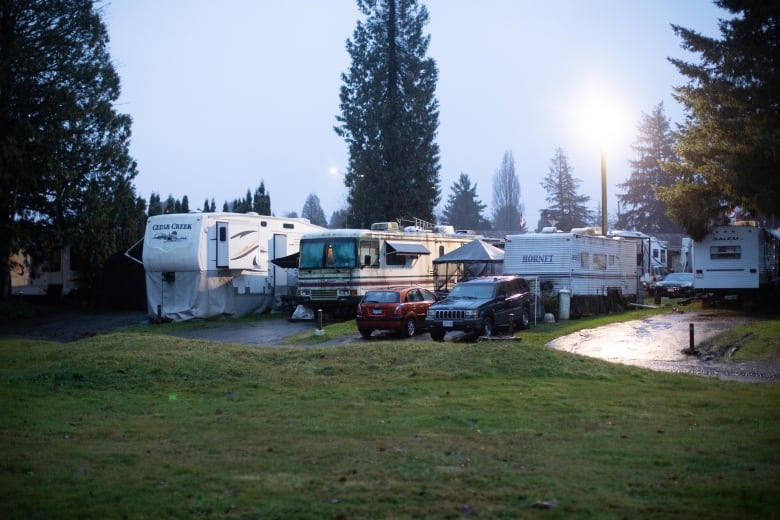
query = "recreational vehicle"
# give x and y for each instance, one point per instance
(203, 265)
(736, 259)
(338, 266)
(652, 255)
(52, 277)
(581, 263)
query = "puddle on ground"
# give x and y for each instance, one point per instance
(659, 343)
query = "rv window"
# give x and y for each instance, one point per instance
(328, 252)
(222, 234)
(600, 262)
(725, 252)
(369, 252)
(287, 225)
(584, 259)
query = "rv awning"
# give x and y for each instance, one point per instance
(407, 248)
(287, 262)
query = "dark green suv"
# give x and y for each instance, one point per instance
(481, 306)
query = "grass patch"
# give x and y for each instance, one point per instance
(756, 341)
(139, 424)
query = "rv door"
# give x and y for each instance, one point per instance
(223, 252)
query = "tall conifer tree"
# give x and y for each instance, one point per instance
(730, 141)
(64, 150)
(390, 115)
(642, 210)
(567, 207)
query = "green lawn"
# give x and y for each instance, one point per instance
(140, 424)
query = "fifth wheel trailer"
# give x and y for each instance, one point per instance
(204, 265)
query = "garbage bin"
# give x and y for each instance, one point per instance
(564, 304)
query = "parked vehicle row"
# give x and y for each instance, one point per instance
(480, 306)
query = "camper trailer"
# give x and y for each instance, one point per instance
(736, 259)
(53, 277)
(580, 262)
(203, 265)
(338, 266)
(652, 255)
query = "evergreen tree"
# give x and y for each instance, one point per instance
(64, 150)
(213, 206)
(226, 207)
(339, 219)
(155, 205)
(261, 202)
(730, 141)
(464, 209)
(390, 115)
(169, 205)
(642, 209)
(566, 205)
(185, 205)
(507, 210)
(206, 207)
(313, 211)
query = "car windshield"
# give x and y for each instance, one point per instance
(679, 277)
(480, 291)
(382, 297)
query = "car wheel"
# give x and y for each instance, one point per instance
(410, 327)
(487, 326)
(438, 334)
(366, 333)
(525, 317)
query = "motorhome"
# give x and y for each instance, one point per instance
(338, 266)
(54, 276)
(580, 262)
(204, 265)
(736, 259)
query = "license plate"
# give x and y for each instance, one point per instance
(447, 323)
(376, 311)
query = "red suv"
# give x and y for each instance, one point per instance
(402, 309)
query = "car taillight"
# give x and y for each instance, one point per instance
(398, 311)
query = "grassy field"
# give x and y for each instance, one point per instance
(139, 424)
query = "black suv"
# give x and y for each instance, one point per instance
(482, 305)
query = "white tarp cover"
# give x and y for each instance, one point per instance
(201, 294)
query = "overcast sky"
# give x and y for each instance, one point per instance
(224, 95)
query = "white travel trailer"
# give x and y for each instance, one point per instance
(203, 265)
(580, 262)
(338, 266)
(736, 259)
(652, 255)
(52, 277)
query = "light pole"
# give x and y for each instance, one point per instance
(603, 191)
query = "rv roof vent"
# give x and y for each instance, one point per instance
(550, 229)
(441, 228)
(588, 231)
(384, 226)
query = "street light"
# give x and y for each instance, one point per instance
(602, 114)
